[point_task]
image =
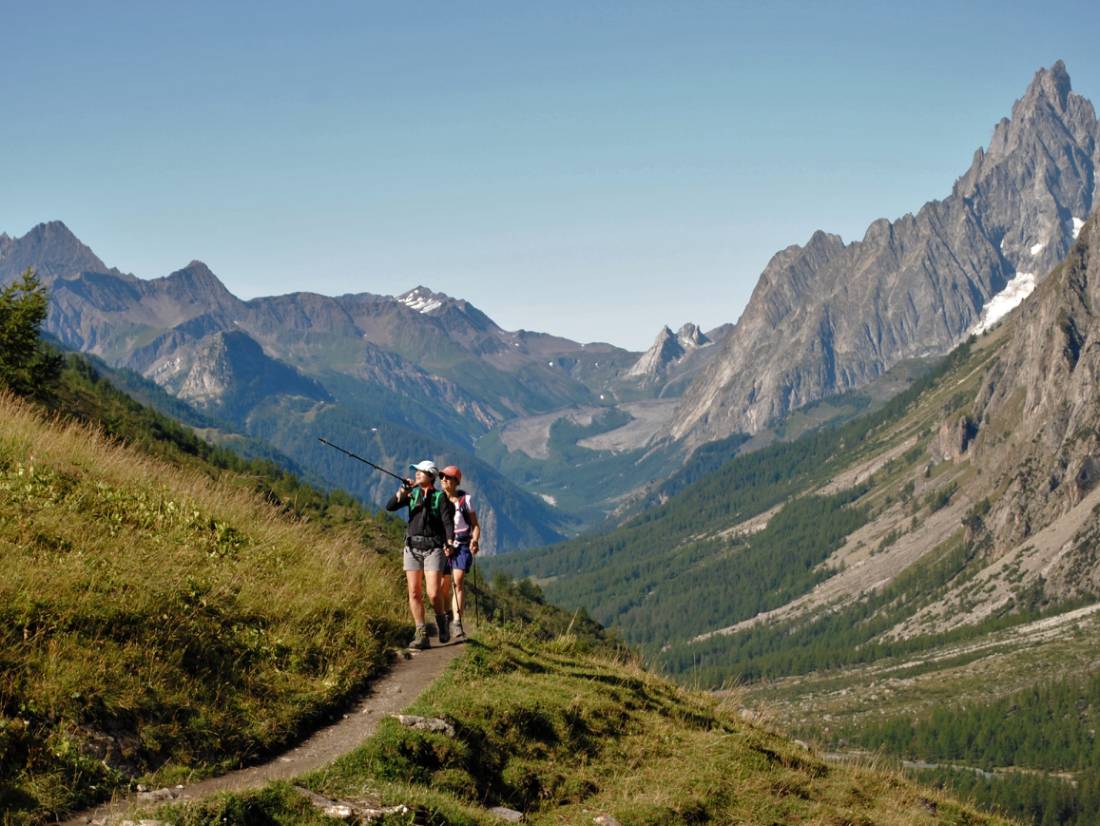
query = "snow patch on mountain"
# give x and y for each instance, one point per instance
(421, 299)
(1005, 301)
(1077, 224)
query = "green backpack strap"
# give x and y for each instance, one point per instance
(433, 501)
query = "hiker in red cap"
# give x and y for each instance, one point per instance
(467, 537)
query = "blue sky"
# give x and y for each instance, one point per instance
(590, 169)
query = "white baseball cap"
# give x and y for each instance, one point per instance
(428, 466)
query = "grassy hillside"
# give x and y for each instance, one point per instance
(162, 617)
(564, 735)
(165, 428)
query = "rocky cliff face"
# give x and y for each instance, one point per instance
(1037, 420)
(829, 317)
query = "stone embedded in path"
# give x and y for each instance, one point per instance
(426, 724)
(605, 820)
(356, 811)
(510, 815)
(157, 795)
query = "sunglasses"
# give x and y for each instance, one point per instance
(447, 478)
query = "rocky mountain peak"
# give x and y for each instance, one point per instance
(668, 349)
(691, 336)
(198, 274)
(196, 284)
(422, 299)
(457, 315)
(1053, 84)
(1047, 111)
(52, 249)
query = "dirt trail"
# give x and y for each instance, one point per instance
(398, 688)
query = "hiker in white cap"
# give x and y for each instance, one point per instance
(430, 531)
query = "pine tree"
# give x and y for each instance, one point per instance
(27, 365)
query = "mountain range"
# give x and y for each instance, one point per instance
(554, 430)
(398, 377)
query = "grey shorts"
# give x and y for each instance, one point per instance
(433, 560)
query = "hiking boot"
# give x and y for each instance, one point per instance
(420, 639)
(459, 631)
(444, 630)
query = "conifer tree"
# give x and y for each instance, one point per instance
(27, 365)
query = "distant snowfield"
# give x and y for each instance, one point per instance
(1077, 224)
(421, 303)
(1005, 301)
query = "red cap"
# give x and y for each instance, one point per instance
(453, 471)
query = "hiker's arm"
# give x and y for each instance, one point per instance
(397, 501)
(447, 512)
(475, 531)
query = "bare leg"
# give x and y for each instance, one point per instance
(445, 588)
(433, 580)
(416, 596)
(460, 592)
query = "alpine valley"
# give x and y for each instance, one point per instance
(870, 508)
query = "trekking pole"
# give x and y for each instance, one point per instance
(403, 480)
(454, 594)
(474, 588)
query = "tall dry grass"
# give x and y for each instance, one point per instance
(158, 619)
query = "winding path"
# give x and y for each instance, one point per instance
(398, 688)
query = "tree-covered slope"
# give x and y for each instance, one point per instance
(717, 535)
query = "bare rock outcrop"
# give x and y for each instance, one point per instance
(829, 317)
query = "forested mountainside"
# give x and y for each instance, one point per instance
(898, 555)
(830, 316)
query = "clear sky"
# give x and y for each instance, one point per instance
(591, 169)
